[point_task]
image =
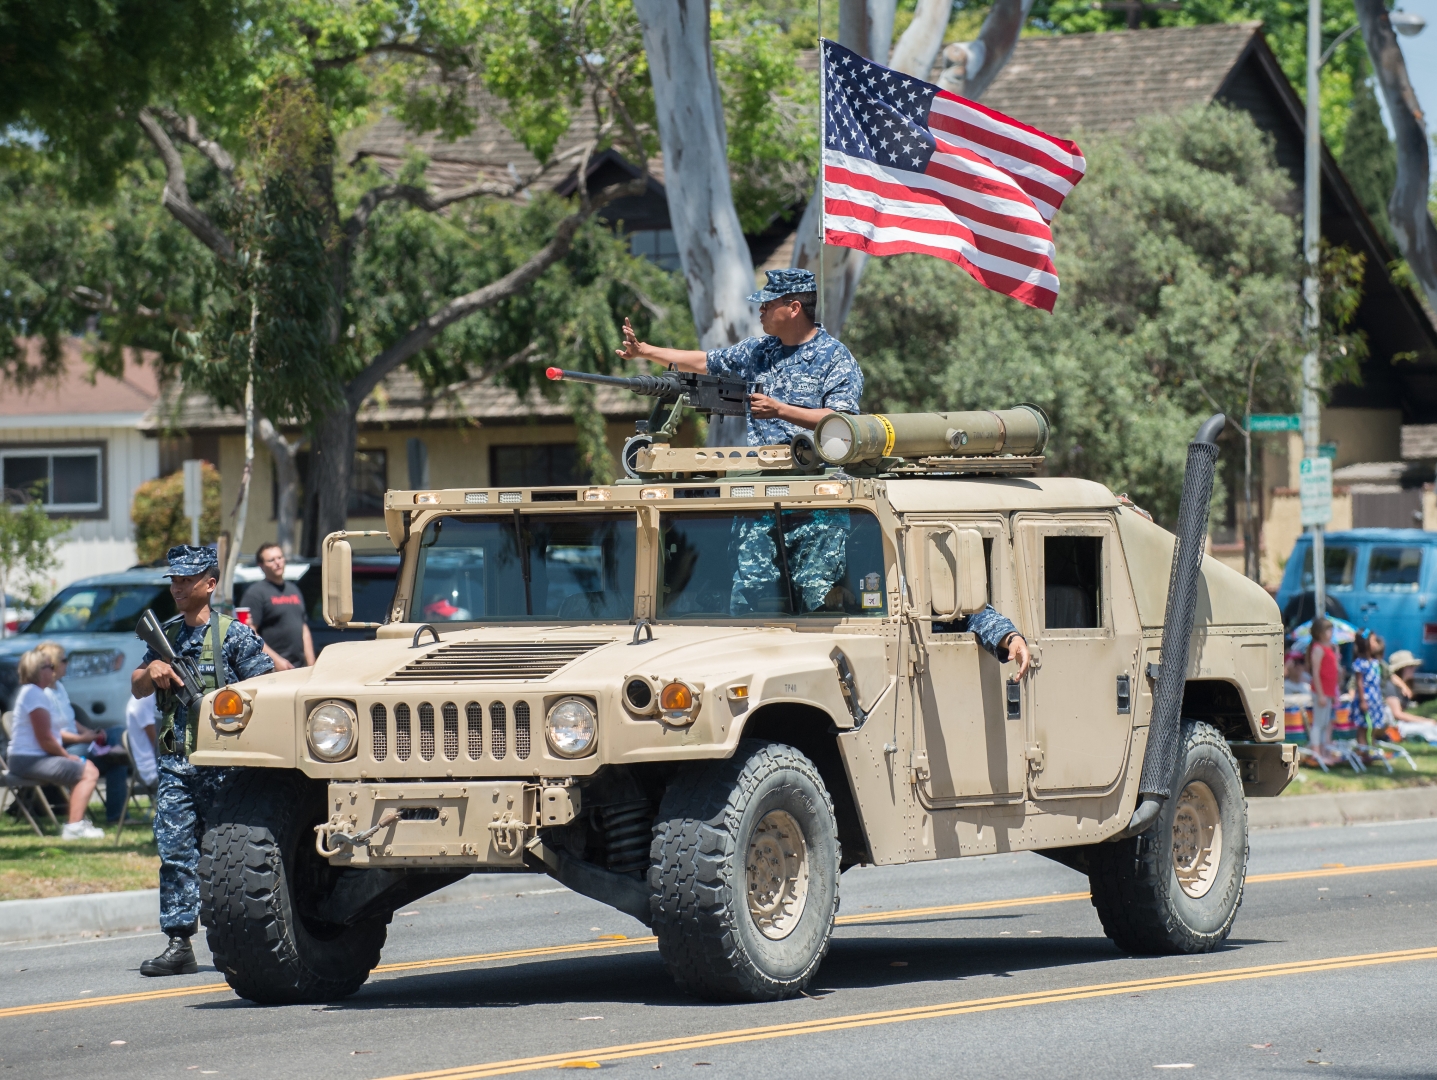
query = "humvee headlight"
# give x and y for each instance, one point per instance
(571, 728)
(677, 701)
(331, 730)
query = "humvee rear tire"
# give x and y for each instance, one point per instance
(1176, 888)
(744, 875)
(260, 878)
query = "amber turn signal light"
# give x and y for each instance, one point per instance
(676, 697)
(228, 705)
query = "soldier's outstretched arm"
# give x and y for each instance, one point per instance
(683, 359)
(996, 633)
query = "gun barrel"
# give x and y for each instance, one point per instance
(149, 631)
(648, 385)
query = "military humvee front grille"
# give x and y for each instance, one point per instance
(474, 715)
(521, 729)
(426, 731)
(378, 732)
(451, 731)
(498, 730)
(470, 661)
(401, 731)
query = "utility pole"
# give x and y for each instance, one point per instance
(1311, 237)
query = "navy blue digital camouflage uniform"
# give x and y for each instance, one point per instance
(187, 791)
(819, 373)
(988, 626)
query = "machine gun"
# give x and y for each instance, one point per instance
(717, 394)
(191, 687)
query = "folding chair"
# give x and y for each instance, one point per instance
(1344, 736)
(12, 787)
(136, 789)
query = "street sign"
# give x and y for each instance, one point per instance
(1276, 422)
(194, 497)
(1327, 450)
(1315, 490)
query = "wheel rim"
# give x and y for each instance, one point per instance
(777, 875)
(1197, 839)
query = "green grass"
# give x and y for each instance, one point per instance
(33, 866)
(1313, 781)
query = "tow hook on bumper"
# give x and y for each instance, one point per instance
(455, 823)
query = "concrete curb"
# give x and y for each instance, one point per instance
(108, 913)
(1345, 808)
(57, 916)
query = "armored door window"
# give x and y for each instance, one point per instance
(1072, 582)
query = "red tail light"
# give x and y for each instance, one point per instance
(1429, 633)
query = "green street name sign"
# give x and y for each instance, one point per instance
(1276, 422)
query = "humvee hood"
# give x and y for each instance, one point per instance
(1225, 597)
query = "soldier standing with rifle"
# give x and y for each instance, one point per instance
(806, 372)
(186, 791)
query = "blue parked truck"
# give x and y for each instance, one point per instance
(1377, 579)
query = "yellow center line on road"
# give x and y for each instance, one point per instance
(922, 1012)
(602, 946)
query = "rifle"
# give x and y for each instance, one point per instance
(718, 394)
(191, 687)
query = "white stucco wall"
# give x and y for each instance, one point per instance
(100, 544)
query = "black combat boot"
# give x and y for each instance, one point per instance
(177, 959)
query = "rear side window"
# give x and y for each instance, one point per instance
(1340, 562)
(1394, 569)
(1072, 582)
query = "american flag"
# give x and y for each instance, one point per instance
(910, 167)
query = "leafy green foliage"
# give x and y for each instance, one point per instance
(158, 512)
(1369, 160)
(27, 548)
(1179, 273)
(123, 271)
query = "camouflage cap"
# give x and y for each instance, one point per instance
(785, 283)
(187, 559)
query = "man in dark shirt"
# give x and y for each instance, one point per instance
(276, 611)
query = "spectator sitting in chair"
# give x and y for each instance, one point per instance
(36, 752)
(100, 746)
(1398, 693)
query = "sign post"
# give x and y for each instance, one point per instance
(194, 497)
(1315, 492)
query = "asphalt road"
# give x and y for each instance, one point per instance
(1331, 970)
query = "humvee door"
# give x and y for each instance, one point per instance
(967, 749)
(1084, 632)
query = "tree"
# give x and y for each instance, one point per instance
(158, 512)
(1180, 288)
(249, 148)
(1408, 211)
(1368, 159)
(27, 547)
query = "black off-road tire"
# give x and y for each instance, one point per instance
(259, 874)
(1134, 881)
(708, 936)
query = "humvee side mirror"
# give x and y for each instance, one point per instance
(338, 578)
(957, 572)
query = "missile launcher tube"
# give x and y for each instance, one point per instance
(844, 437)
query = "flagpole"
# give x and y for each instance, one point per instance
(818, 188)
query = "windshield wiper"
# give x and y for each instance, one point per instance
(523, 561)
(783, 561)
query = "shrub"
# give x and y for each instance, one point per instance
(159, 513)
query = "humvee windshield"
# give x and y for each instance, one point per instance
(727, 565)
(567, 567)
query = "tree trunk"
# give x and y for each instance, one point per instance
(332, 461)
(914, 55)
(286, 484)
(971, 66)
(718, 268)
(227, 571)
(1411, 222)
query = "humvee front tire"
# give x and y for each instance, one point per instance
(260, 881)
(744, 875)
(1176, 888)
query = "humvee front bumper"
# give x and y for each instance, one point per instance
(1267, 768)
(468, 823)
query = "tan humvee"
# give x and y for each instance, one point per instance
(662, 733)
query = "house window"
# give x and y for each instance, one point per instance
(656, 245)
(367, 483)
(65, 480)
(536, 465)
